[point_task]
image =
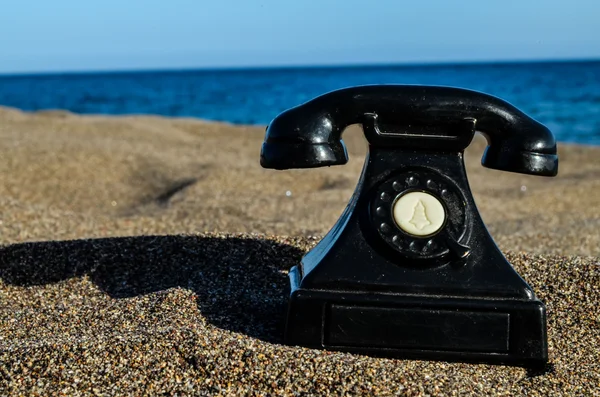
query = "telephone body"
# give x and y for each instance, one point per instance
(409, 270)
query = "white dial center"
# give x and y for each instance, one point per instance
(419, 214)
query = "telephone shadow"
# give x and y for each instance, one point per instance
(241, 283)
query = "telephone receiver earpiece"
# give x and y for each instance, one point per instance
(404, 116)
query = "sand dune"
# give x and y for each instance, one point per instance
(109, 176)
(160, 308)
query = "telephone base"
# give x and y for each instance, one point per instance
(438, 328)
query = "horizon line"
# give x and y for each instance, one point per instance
(373, 65)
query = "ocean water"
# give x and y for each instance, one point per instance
(565, 96)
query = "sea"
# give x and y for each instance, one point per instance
(565, 96)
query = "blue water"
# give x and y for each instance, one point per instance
(565, 96)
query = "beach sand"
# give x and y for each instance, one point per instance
(146, 255)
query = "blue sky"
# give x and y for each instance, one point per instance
(76, 35)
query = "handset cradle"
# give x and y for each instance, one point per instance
(410, 270)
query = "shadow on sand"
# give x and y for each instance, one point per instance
(241, 283)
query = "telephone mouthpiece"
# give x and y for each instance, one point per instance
(286, 155)
(300, 138)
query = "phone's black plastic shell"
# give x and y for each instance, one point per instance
(356, 291)
(353, 293)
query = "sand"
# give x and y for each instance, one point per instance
(146, 255)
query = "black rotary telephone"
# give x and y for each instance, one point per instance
(410, 270)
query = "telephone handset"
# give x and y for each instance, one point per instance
(409, 269)
(416, 117)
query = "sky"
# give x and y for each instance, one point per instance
(90, 35)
